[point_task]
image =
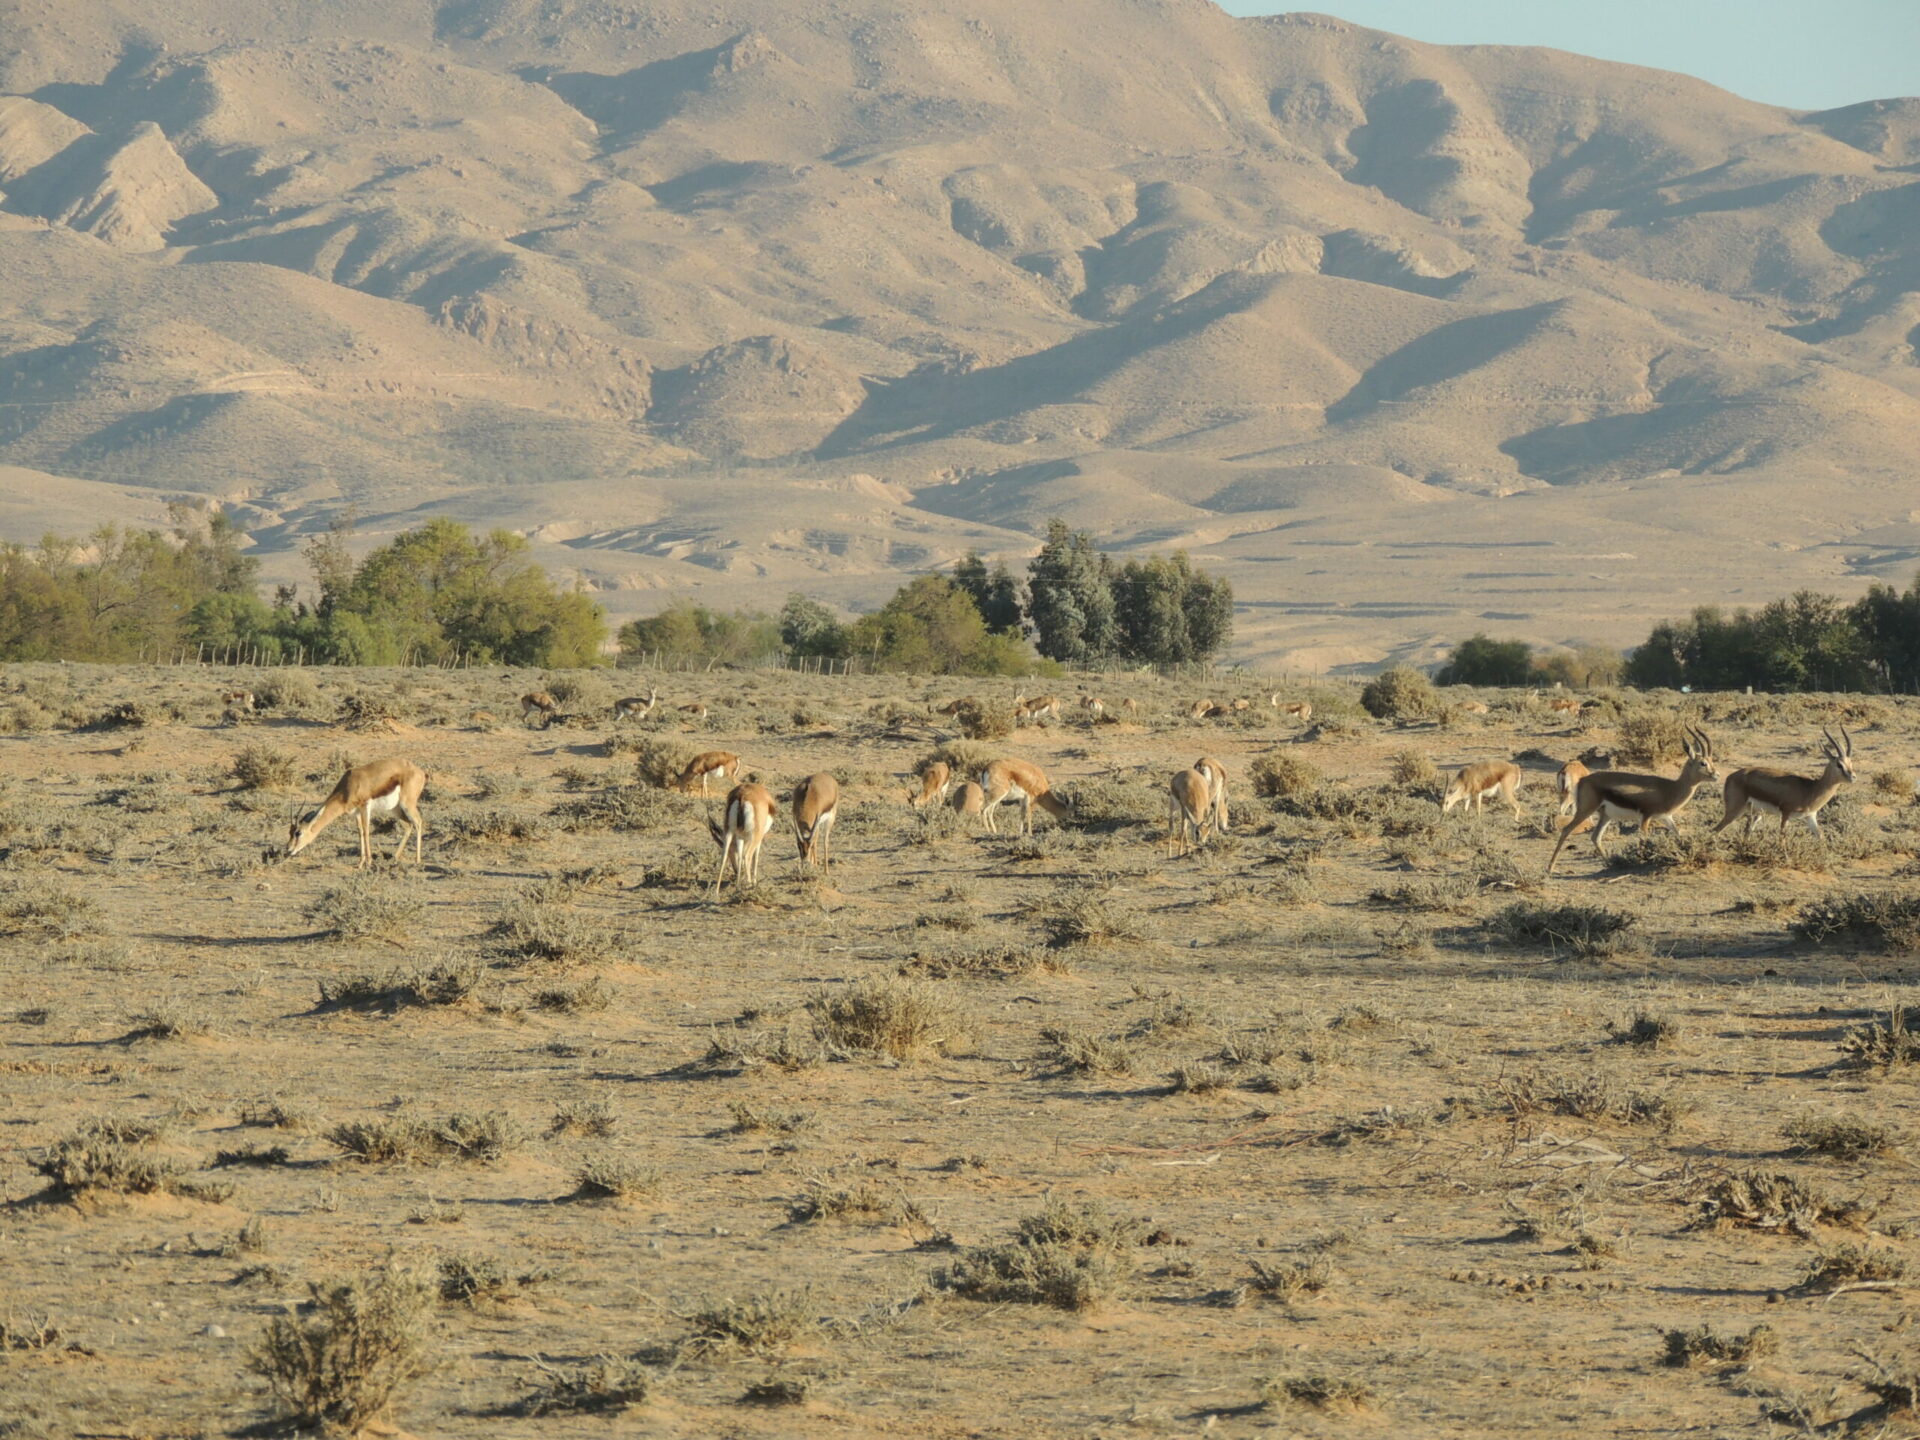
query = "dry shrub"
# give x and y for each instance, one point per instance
(1893, 1380)
(341, 1365)
(260, 767)
(1852, 1265)
(750, 1119)
(1684, 1347)
(604, 1386)
(659, 762)
(106, 1156)
(41, 907)
(1889, 919)
(368, 907)
(1399, 693)
(1072, 1257)
(1651, 737)
(1769, 1200)
(1281, 776)
(1320, 1390)
(899, 1018)
(965, 758)
(1894, 785)
(1885, 1042)
(612, 1177)
(1644, 1030)
(462, 1135)
(1843, 1137)
(996, 962)
(451, 982)
(590, 994)
(480, 1279)
(985, 721)
(1077, 914)
(1082, 1050)
(761, 1323)
(544, 933)
(1584, 930)
(1291, 1279)
(1588, 1097)
(291, 692)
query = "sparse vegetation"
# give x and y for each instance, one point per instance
(364, 1341)
(1070, 1256)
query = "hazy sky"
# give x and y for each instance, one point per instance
(1806, 54)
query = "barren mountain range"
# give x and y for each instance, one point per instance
(763, 295)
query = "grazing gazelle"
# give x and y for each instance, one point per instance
(1761, 790)
(635, 708)
(1004, 778)
(1048, 705)
(1567, 779)
(238, 701)
(1564, 706)
(816, 800)
(1216, 777)
(706, 766)
(967, 799)
(1093, 705)
(1617, 795)
(377, 788)
(694, 710)
(955, 706)
(934, 781)
(1189, 811)
(744, 826)
(1483, 778)
(538, 702)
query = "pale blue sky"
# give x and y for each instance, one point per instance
(1806, 54)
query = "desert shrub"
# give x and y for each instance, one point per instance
(1584, 930)
(658, 761)
(1644, 1029)
(291, 692)
(1885, 918)
(1320, 1390)
(340, 1366)
(998, 962)
(1651, 737)
(495, 826)
(1769, 1200)
(1281, 776)
(1895, 786)
(480, 1279)
(261, 767)
(1111, 804)
(761, 1323)
(462, 1134)
(985, 721)
(1844, 1137)
(544, 933)
(1399, 693)
(787, 1046)
(1072, 1257)
(42, 907)
(368, 907)
(1684, 1347)
(1085, 1051)
(1077, 914)
(1588, 1097)
(575, 690)
(1412, 767)
(103, 1156)
(603, 1386)
(572, 999)
(584, 1117)
(1885, 1042)
(900, 1018)
(168, 1019)
(613, 1177)
(450, 982)
(641, 808)
(1451, 893)
(821, 1199)
(487, 1135)
(1852, 1265)
(131, 714)
(965, 758)
(1289, 1280)
(1893, 1380)
(749, 1119)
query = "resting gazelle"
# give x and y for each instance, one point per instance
(1618, 795)
(1761, 790)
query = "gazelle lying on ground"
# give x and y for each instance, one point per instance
(1189, 811)
(238, 701)
(1483, 778)
(967, 799)
(377, 788)
(743, 828)
(1005, 778)
(816, 800)
(1618, 795)
(1299, 710)
(1762, 790)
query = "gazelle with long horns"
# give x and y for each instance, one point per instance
(377, 788)
(1004, 779)
(1189, 812)
(1761, 790)
(816, 800)
(1619, 795)
(741, 832)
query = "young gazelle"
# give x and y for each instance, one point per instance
(816, 799)
(1216, 777)
(635, 708)
(1568, 779)
(1004, 778)
(934, 781)
(967, 799)
(745, 823)
(709, 765)
(377, 788)
(1761, 790)
(1475, 782)
(1616, 795)
(1189, 812)
(538, 702)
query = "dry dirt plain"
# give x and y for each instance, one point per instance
(1343, 1133)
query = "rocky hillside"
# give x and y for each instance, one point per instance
(1407, 339)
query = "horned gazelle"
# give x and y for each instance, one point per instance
(1006, 778)
(1475, 782)
(377, 788)
(816, 800)
(743, 829)
(1617, 795)
(1189, 811)
(1761, 790)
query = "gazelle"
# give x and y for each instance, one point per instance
(743, 828)
(1475, 707)
(967, 799)
(538, 702)
(1004, 778)
(1216, 777)
(1568, 778)
(954, 707)
(1564, 706)
(706, 766)
(1189, 811)
(238, 701)
(934, 781)
(635, 708)
(1760, 790)
(816, 800)
(1240, 703)
(693, 711)
(1483, 778)
(1298, 710)
(1130, 705)
(377, 788)
(1093, 705)
(1048, 705)
(1616, 795)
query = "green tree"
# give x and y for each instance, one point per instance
(686, 633)
(1070, 598)
(995, 593)
(1482, 660)
(808, 628)
(932, 626)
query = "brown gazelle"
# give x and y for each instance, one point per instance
(1564, 706)
(956, 705)
(379, 787)
(1189, 811)
(694, 710)
(1617, 795)
(634, 707)
(1216, 778)
(707, 766)
(1568, 779)
(934, 780)
(1761, 790)
(742, 830)
(967, 799)
(1483, 778)
(1005, 778)
(1299, 710)
(540, 703)
(240, 702)
(816, 800)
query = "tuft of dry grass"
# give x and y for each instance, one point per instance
(341, 1366)
(1318, 1389)
(1068, 1256)
(1844, 1137)
(604, 1386)
(1887, 919)
(898, 1018)
(1687, 1347)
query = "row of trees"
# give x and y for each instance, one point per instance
(1808, 641)
(430, 595)
(1481, 660)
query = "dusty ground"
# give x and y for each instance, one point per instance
(1323, 1058)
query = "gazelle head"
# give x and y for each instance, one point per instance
(300, 833)
(1839, 757)
(1700, 766)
